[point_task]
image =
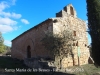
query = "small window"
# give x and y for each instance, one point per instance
(74, 33)
(77, 43)
(85, 45)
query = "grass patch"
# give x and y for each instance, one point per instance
(88, 69)
(10, 63)
(7, 62)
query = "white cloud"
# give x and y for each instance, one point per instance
(6, 3)
(5, 14)
(24, 21)
(5, 28)
(3, 5)
(7, 21)
(11, 15)
(7, 42)
(17, 16)
(7, 25)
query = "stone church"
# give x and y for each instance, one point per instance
(28, 44)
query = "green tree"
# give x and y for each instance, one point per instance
(93, 13)
(2, 47)
(59, 45)
(7, 48)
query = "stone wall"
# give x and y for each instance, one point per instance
(31, 38)
(65, 21)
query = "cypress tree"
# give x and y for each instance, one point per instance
(93, 14)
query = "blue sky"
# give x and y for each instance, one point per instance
(17, 16)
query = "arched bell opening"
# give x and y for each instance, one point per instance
(71, 10)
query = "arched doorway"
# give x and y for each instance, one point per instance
(28, 52)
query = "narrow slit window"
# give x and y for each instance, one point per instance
(74, 33)
(77, 43)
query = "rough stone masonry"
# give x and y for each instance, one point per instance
(28, 45)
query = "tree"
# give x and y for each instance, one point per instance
(7, 48)
(2, 47)
(59, 45)
(93, 13)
